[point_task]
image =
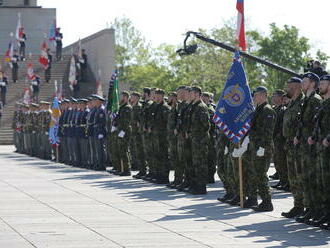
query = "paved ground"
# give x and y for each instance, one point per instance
(44, 204)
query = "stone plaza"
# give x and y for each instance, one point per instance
(47, 204)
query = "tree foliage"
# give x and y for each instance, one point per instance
(142, 65)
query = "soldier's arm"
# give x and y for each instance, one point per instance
(266, 135)
(125, 119)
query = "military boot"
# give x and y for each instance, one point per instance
(199, 189)
(226, 197)
(234, 201)
(264, 206)
(294, 212)
(306, 215)
(250, 203)
(321, 221)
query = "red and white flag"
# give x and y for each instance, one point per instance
(43, 59)
(72, 73)
(19, 29)
(10, 52)
(30, 72)
(99, 90)
(240, 25)
(27, 96)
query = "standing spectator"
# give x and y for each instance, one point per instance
(48, 70)
(35, 85)
(1, 109)
(3, 87)
(14, 65)
(83, 65)
(22, 40)
(58, 39)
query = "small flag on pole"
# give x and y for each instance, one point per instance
(113, 95)
(54, 123)
(30, 72)
(19, 29)
(235, 109)
(10, 52)
(240, 25)
(43, 59)
(72, 73)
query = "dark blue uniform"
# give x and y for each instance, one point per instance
(99, 133)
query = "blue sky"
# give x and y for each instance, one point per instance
(166, 21)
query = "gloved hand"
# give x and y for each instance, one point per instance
(226, 150)
(261, 152)
(237, 153)
(46, 133)
(121, 134)
(100, 136)
(113, 129)
(246, 141)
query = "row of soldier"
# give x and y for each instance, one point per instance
(157, 134)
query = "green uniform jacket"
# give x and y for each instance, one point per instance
(136, 119)
(307, 120)
(162, 111)
(322, 128)
(291, 118)
(123, 121)
(278, 137)
(200, 120)
(262, 126)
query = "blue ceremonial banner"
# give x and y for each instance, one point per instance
(53, 127)
(235, 109)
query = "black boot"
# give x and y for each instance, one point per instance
(294, 212)
(318, 222)
(199, 189)
(234, 201)
(264, 206)
(306, 215)
(250, 203)
(225, 197)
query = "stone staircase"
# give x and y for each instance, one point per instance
(15, 91)
(60, 73)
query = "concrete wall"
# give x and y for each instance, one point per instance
(100, 49)
(36, 22)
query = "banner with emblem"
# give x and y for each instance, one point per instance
(235, 107)
(113, 94)
(54, 123)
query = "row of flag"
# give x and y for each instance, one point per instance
(43, 60)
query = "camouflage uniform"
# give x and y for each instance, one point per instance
(159, 131)
(279, 155)
(211, 156)
(199, 133)
(173, 145)
(136, 142)
(225, 169)
(307, 152)
(290, 124)
(322, 131)
(261, 135)
(123, 123)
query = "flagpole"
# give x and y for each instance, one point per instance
(57, 153)
(240, 172)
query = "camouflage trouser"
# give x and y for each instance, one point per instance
(123, 153)
(150, 152)
(133, 152)
(174, 159)
(137, 143)
(112, 149)
(161, 151)
(211, 158)
(258, 167)
(280, 162)
(309, 166)
(324, 174)
(223, 168)
(199, 160)
(295, 175)
(189, 172)
(181, 155)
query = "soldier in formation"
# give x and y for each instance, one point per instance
(178, 133)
